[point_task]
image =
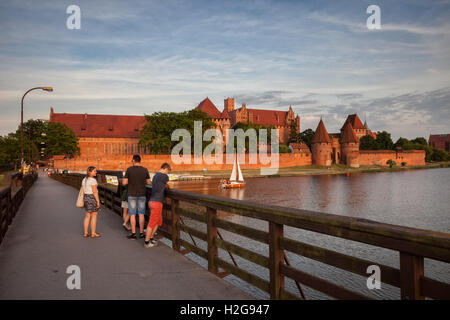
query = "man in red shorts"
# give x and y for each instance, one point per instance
(159, 183)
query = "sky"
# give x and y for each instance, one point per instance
(139, 56)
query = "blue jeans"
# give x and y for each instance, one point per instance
(136, 205)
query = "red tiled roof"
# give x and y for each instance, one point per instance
(438, 138)
(267, 117)
(209, 108)
(101, 126)
(225, 114)
(321, 134)
(355, 122)
(348, 134)
(299, 147)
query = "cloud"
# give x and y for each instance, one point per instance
(273, 99)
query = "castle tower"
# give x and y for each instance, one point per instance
(349, 146)
(228, 104)
(321, 146)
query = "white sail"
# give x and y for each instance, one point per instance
(236, 174)
(233, 173)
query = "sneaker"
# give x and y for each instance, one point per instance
(141, 235)
(132, 236)
(150, 244)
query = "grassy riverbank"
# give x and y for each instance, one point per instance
(316, 170)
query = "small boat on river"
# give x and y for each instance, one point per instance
(236, 179)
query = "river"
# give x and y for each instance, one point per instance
(415, 198)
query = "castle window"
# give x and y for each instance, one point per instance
(112, 148)
(88, 150)
(106, 148)
(132, 149)
(125, 151)
(119, 148)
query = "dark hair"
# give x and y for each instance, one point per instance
(137, 158)
(89, 169)
(166, 165)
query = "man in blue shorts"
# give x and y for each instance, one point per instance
(136, 177)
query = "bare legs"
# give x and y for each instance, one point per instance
(150, 232)
(90, 218)
(133, 223)
(126, 218)
(87, 220)
(94, 223)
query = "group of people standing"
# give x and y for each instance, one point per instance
(133, 200)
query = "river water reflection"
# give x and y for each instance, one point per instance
(418, 199)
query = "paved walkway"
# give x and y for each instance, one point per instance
(46, 237)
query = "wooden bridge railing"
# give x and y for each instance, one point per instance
(11, 197)
(412, 244)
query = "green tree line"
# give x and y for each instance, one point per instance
(384, 142)
(41, 140)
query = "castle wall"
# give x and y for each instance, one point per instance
(153, 162)
(380, 157)
(321, 154)
(350, 154)
(93, 147)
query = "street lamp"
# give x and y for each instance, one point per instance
(21, 120)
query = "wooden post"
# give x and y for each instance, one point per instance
(175, 231)
(411, 271)
(211, 238)
(276, 256)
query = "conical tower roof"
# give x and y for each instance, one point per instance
(209, 108)
(348, 134)
(321, 134)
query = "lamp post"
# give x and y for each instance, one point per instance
(21, 120)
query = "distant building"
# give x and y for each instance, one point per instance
(230, 116)
(104, 135)
(440, 141)
(340, 147)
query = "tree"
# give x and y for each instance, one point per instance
(440, 155)
(368, 142)
(60, 139)
(384, 141)
(256, 127)
(293, 135)
(402, 143)
(306, 136)
(420, 140)
(9, 150)
(391, 163)
(157, 132)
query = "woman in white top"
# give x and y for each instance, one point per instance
(91, 202)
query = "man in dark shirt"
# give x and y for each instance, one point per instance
(159, 184)
(136, 177)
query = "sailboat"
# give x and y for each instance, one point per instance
(236, 179)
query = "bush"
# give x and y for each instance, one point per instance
(284, 149)
(439, 155)
(391, 163)
(403, 163)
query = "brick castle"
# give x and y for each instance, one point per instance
(108, 141)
